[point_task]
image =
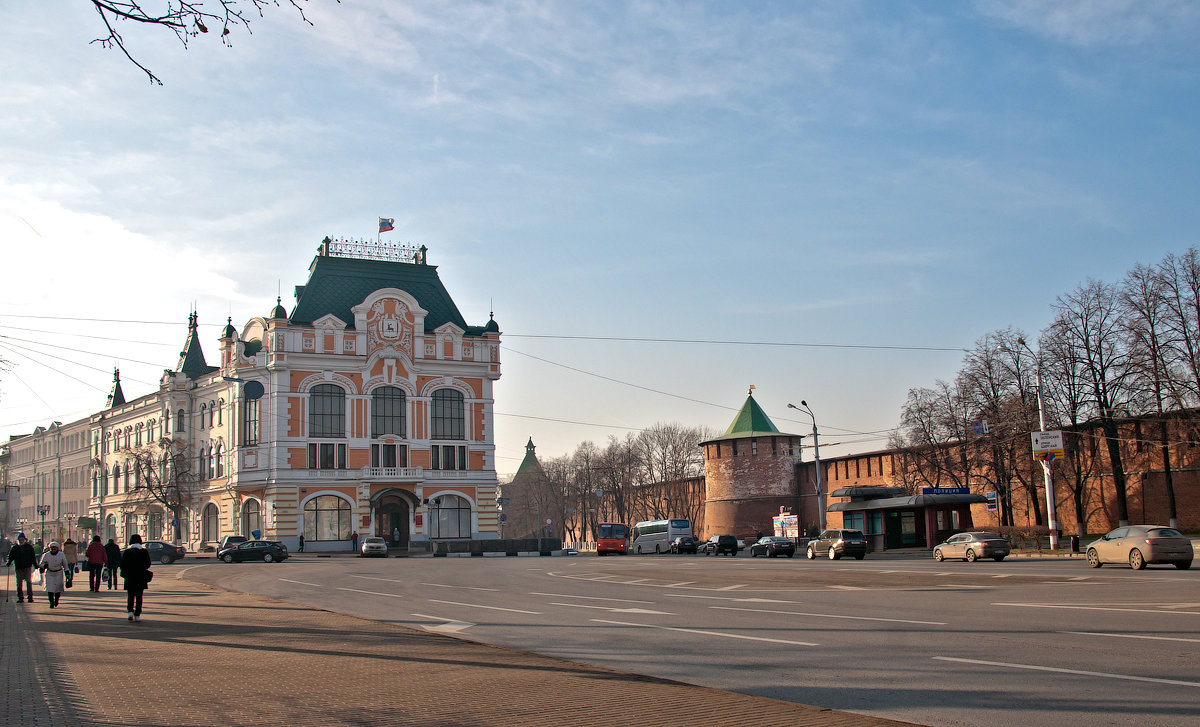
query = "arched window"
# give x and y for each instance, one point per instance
(202, 464)
(387, 411)
(130, 525)
(116, 481)
(210, 524)
(220, 407)
(220, 461)
(450, 517)
(127, 477)
(110, 527)
(251, 518)
(326, 517)
(446, 418)
(327, 411)
(203, 411)
(179, 422)
(95, 485)
(155, 527)
(212, 458)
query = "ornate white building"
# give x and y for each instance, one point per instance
(368, 409)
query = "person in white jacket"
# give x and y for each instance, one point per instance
(54, 573)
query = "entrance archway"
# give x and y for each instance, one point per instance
(391, 521)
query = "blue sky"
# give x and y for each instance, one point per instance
(845, 174)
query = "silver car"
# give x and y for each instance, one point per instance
(1139, 545)
(973, 546)
(373, 547)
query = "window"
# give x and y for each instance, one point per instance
(116, 480)
(203, 411)
(179, 422)
(220, 462)
(326, 517)
(387, 411)
(251, 518)
(389, 455)
(753, 446)
(95, 486)
(326, 456)
(210, 524)
(202, 465)
(447, 419)
(449, 517)
(327, 411)
(448, 457)
(250, 417)
(127, 478)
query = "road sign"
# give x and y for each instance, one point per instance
(503, 517)
(548, 521)
(1047, 446)
(991, 501)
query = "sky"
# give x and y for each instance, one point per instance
(663, 203)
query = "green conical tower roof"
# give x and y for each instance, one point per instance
(530, 464)
(751, 421)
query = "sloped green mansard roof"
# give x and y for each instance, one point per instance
(336, 284)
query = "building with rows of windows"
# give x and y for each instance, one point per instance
(367, 410)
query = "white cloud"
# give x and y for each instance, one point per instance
(1100, 22)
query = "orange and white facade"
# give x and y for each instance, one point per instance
(367, 410)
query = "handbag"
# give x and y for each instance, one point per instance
(149, 576)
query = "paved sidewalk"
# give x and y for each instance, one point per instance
(209, 657)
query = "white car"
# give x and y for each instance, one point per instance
(373, 547)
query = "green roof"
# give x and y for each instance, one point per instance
(336, 284)
(751, 421)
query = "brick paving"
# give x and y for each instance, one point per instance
(203, 656)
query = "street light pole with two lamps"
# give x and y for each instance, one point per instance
(816, 461)
(43, 510)
(1051, 516)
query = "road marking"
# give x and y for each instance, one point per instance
(1132, 636)
(832, 615)
(733, 587)
(376, 578)
(1079, 672)
(677, 585)
(371, 593)
(472, 588)
(588, 598)
(706, 633)
(450, 627)
(1096, 608)
(490, 608)
(303, 583)
(614, 610)
(846, 588)
(959, 585)
(728, 598)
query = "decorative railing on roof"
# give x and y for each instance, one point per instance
(397, 252)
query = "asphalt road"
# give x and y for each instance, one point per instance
(1029, 642)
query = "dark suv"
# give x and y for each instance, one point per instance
(683, 544)
(718, 544)
(836, 542)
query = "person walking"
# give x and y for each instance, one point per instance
(354, 541)
(54, 572)
(112, 558)
(135, 570)
(70, 549)
(301, 543)
(23, 559)
(95, 560)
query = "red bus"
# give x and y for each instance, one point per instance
(610, 538)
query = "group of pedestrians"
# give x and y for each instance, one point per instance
(103, 562)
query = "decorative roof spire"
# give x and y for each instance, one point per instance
(116, 397)
(191, 358)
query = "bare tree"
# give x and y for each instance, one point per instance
(933, 426)
(1089, 319)
(187, 20)
(165, 475)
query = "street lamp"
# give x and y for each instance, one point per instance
(43, 510)
(816, 460)
(1051, 517)
(70, 519)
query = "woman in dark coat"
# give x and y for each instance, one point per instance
(112, 559)
(135, 567)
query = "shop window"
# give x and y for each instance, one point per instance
(326, 517)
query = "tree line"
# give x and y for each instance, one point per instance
(1112, 352)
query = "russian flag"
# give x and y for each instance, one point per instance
(386, 224)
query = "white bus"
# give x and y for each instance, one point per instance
(655, 536)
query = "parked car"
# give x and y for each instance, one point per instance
(771, 546)
(373, 547)
(683, 544)
(264, 550)
(164, 553)
(973, 546)
(836, 542)
(1139, 545)
(741, 544)
(718, 544)
(231, 540)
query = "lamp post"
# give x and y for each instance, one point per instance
(42, 511)
(1051, 517)
(22, 523)
(70, 519)
(816, 460)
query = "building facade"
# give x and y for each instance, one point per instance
(366, 410)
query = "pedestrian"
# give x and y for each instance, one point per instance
(23, 559)
(135, 570)
(301, 543)
(96, 558)
(354, 541)
(71, 550)
(396, 536)
(54, 572)
(112, 558)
